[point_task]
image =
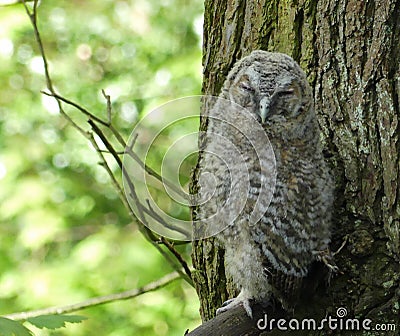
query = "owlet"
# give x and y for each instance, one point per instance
(265, 185)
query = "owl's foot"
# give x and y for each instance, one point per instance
(239, 300)
(326, 257)
(344, 242)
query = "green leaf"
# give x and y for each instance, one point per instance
(54, 321)
(13, 328)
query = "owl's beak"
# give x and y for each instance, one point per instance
(264, 108)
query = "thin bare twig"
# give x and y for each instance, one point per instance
(97, 300)
(149, 210)
(115, 154)
(108, 152)
(109, 125)
(177, 255)
(114, 181)
(118, 136)
(106, 143)
(77, 106)
(144, 229)
(150, 236)
(153, 173)
(33, 17)
(133, 141)
(108, 100)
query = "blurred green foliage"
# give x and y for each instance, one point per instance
(64, 234)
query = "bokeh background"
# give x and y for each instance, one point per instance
(64, 233)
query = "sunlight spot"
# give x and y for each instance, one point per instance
(16, 81)
(60, 161)
(91, 252)
(129, 112)
(3, 170)
(128, 50)
(58, 195)
(24, 53)
(6, 47)
(113, 90)
(49, 135)
(198, 25)
(37, 65)
(40, 286)
(102, 54)
(9, 284)
(58, 19)
(198, 28)
(162, 77)
(84, 52)
(99, 25)
(50, 104)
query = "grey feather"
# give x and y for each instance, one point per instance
(269, 256)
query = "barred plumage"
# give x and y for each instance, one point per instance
(271, 255)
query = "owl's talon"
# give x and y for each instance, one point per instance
(247, 308)
(345, 239)
(325, 256)
(229, 304)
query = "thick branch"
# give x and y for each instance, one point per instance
(235, 322)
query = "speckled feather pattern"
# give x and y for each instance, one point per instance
(273, 255)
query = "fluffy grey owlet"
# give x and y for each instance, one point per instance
(266, 188)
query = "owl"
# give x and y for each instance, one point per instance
(266, 189)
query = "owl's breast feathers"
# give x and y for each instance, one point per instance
(304, 189)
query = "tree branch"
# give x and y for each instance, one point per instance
(155, 240)
(177, 255)
(97, 300)
(33, 17)
(77, 106)
(235, 322)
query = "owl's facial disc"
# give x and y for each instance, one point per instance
(285, 100)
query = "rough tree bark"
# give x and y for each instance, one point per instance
(350, 51)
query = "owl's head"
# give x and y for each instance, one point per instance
(275, 90)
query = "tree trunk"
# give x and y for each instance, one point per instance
(350, 51)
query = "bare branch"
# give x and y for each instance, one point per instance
(118, 136)
(77, 106)
(177, 255)
(33, 17)
(144, 229)
(236, 322)
(147, 233)
(108, 100)
(149, 210)
(133, 141)
(178, 262)
(114, 181)
(108, 152)
(97, 300)
(153, 173)
(106, 143)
